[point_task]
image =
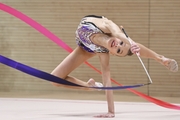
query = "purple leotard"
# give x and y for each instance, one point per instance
(83, 34)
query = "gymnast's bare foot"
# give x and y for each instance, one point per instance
(170, 64)
(91, 82)
(107, 115)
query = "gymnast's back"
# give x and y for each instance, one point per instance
(98, 21)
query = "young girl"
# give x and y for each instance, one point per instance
(97, 35)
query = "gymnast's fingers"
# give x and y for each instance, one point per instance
(135, 48)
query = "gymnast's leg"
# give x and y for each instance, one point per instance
(170, 64)
(71, 62)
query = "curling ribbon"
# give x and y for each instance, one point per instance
(46, 76)
(55, 39)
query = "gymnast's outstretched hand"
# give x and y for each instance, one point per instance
(107, 115)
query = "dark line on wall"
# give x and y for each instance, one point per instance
(149, 27)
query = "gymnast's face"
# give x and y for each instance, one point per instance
(118, 47)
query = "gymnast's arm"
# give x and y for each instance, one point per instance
(105, 69)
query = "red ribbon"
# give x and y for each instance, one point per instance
(58, 41)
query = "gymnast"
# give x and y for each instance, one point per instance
(97, 35)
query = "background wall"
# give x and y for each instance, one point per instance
(150, 22)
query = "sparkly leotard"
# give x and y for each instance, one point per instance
(83, 33)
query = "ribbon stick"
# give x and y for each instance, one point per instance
(55, 39)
